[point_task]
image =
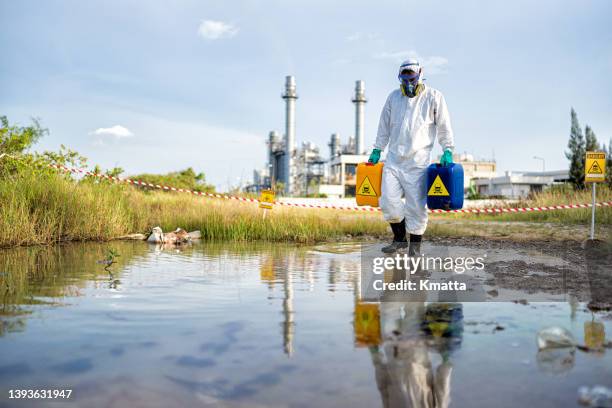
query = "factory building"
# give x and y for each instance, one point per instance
(304, 171)
(520, 184)
(474, 169)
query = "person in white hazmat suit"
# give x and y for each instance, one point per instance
(413, 116)
(414, 337)
(405, 374)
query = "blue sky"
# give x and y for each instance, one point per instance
(155, 86)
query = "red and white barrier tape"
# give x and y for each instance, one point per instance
(305, 205)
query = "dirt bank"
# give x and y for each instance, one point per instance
(539, 268)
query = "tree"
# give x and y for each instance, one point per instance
(15, 139)
(187, 179)
(576, 153)
(14, 143)
(592, 145)
(15, 160)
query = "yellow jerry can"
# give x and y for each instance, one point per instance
(366, 324)
(369, 179)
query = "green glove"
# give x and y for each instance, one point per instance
(375, 156)
(447, 158)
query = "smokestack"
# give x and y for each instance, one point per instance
(272, 144)
(334, 145)
(289, 96)
(359, 100)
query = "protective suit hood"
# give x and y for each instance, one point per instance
(409, 76)
(410, 64)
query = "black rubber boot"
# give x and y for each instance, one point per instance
(399, 237)
(414, 251)
(415, 245)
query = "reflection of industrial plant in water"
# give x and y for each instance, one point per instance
(400, 337)
(276, 270)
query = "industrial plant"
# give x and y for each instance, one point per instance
(303, 170)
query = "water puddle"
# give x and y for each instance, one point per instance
(253, 325)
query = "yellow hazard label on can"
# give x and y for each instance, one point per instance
(438, 188)
(595, 167)
(366, 188)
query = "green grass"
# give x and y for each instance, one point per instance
(51, 209)
(48, 208)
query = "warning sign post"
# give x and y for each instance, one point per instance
(594, 172)
(595, 167)
(266, 201)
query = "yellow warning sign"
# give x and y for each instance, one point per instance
(266, 199)
(594, 335)
(438, 188)
(595, 167)
(366, 188)
(367, 324)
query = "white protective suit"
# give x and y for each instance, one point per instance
(409, 127)
(404, 372)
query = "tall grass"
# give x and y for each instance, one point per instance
(35, 210)
(48, 208)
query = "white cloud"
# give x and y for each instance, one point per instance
(116, 131)
(113, 133)
(214, 30)
(431, 64)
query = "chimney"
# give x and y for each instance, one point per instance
(272, 144)
(359, 100)
(290, 97)
(334, 145)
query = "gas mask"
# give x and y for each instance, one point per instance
(409, 83)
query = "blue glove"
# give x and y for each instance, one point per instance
(447, 158)
(375, 156)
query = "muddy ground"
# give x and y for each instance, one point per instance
(581, 270)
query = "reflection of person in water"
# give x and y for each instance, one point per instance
(410, 331)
